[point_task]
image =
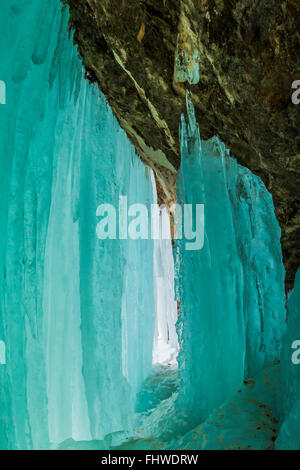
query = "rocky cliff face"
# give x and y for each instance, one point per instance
(238, 59)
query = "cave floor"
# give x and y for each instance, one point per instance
(249, 420)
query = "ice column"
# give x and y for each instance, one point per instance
(231, 292)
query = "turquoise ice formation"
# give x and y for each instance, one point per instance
(70, 331)
(87, 338)
(289, 435)
(232, 310)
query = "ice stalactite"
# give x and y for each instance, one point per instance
(77, 317)
(231, 293)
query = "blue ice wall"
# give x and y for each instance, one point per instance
(231, 292)
(289, 435)
(77, 313)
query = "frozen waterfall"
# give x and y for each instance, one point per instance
(124, 342)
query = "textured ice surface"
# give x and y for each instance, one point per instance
(289, 435)
(77, 315)
(232, 315)
(231, 292)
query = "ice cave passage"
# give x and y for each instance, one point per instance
(129, 343)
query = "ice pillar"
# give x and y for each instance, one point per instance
(231, 291)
